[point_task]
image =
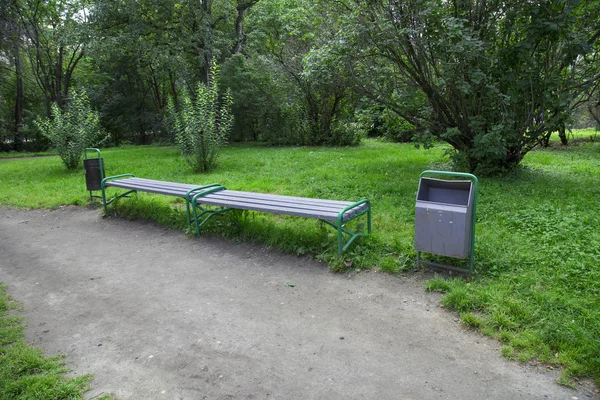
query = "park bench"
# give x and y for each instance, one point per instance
(198, 199)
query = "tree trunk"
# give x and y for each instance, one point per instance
(546, 139)
(242, 7)
(173, 82)
(20, 96)
(239, 29)
(58, 76)
(562, 134)
(207, 40)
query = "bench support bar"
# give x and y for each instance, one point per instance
(192, 206)
(103, 186)
(339, 225)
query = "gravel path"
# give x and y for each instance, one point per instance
(155, 315)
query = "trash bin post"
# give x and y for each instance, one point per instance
(475, 183)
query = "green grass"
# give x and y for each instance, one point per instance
(25, 372)
(537, 281)
(14, 154)
(579, 135)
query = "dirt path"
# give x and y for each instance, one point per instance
(155, 315)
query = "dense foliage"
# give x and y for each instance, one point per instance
(492, 79)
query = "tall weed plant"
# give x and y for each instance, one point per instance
(73, 129)
(202, 123)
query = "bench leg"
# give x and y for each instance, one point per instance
(103, 188)
(191, 205)
(192, 195)
(107, 202)
(340, 241)
(209, 214)
(341, 230)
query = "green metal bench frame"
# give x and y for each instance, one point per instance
(198, 212)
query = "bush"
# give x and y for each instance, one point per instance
(202, 124)
(73, 129)
(347, 134)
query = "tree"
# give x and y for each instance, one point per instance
(139, 61)
(290, 34)
(496, 77)
(10, 40)
(153, 49)
(56, 33)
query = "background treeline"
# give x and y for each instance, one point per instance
(491, 78)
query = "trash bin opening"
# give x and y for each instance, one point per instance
(442, 191)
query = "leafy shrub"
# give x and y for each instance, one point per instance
(73, 129)
(202, 124)
(382, 122)
(347, 134)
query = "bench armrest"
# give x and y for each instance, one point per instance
(188, 195)
(350, 207)
(110, 178)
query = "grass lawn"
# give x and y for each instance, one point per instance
(14, 154)
(588, 134)
(537, 281)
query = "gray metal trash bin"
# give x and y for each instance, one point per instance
(444, 216)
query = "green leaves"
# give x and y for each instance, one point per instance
(497, 78)
(202, 124)
(72, 130)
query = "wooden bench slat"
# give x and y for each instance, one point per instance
(223, 198)
(271, 209)
(290, 199)
(276, 204)
(188, 186)
(230, 195)
(278, 197)
(152, 183)
(144, 188)
(169, 191)
(181, 189)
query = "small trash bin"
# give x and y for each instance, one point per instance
(444, 217)
(94, 173)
